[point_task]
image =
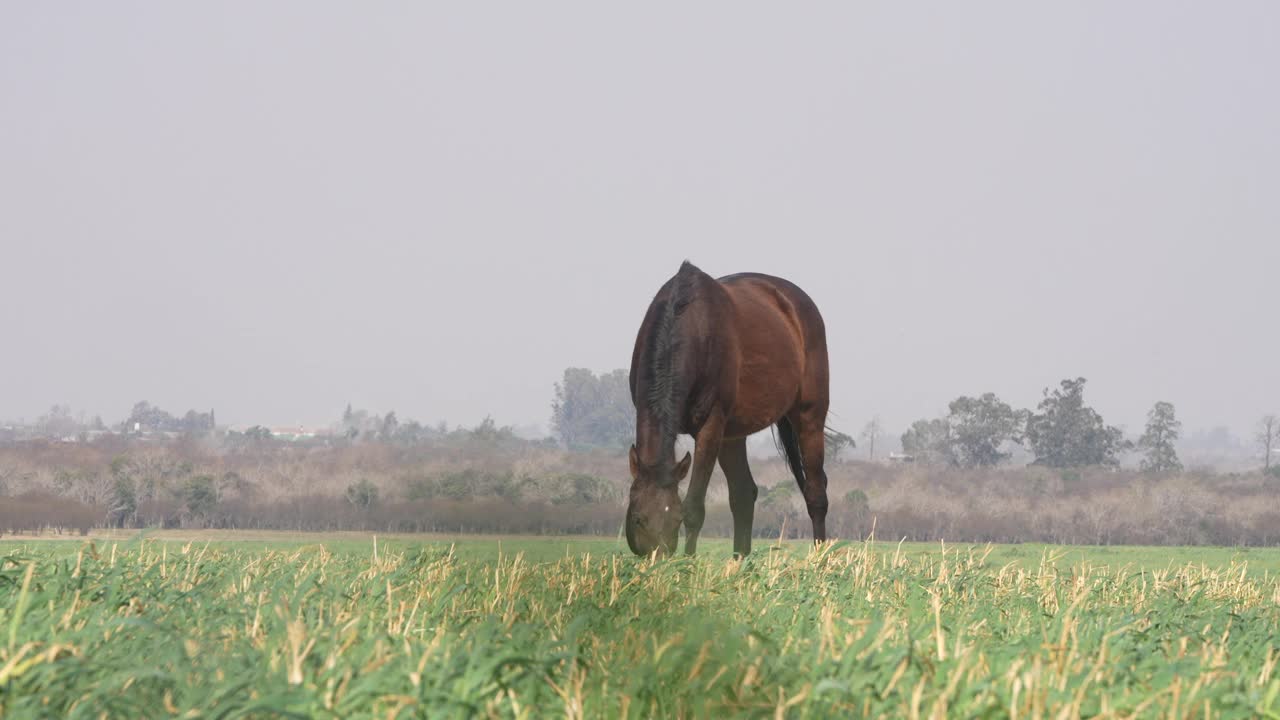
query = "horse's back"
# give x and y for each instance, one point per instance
(765, 298)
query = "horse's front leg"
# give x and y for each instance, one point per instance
(706, 448)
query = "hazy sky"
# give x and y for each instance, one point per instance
(274, 209)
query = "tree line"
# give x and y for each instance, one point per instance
(1063, 431)
(594, 411)
(379, 471)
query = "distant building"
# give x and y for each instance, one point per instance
(295, 433)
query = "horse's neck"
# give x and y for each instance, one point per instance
(651, 446)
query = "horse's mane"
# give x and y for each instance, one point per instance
(666, 388)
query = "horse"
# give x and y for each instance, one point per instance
(721, 359)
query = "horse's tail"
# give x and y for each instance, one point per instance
(789, 446)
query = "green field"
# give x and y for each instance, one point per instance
(276, 625)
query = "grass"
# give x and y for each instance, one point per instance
(283, 626)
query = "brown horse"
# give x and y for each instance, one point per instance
(720, 360)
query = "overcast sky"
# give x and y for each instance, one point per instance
(274, 209)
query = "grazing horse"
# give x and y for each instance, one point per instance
(720, 360)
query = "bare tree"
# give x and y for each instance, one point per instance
(870, 432)
(1268, 437)
(836, 443)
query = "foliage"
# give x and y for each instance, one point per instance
(123, 508)
(200, 495)
(363, 426)
(463, 484)
(980, 428)
(36, 511)
(389, 427)
(146, 417)
(574, 488)
(973, 434)
(470, 483)
(593, 411)
(929, 441)
(488, 432)
(460, 482)
(362, 494)
(857, 507)
(146, 629)
(856, 498)
(1163, 429)
(58, 423)
(198, 423)
(1064, 432)
(781, 500)
(256, 436)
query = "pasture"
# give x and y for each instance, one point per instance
(208, 624)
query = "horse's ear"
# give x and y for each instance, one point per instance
(635, 463)
(682, 467)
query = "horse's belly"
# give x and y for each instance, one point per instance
(768, 385)
(741, 429)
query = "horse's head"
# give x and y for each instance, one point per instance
(653, 515)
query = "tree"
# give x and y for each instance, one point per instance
(1163, 429)
(390, 424)
(980, 427)
(123, 508)
(929, 441)
(870, 432)
(489, 432)
(200, 495)
(58, 423)
(360, 424)
(149, 418)
(257, 434)
(412, 432)
(1064, 432)
(593, 411)
(1268, 437)
(196, 423)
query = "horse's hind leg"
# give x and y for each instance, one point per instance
(742, 492)
(811, 430)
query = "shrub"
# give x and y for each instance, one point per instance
(363, 494)
(35, 511)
